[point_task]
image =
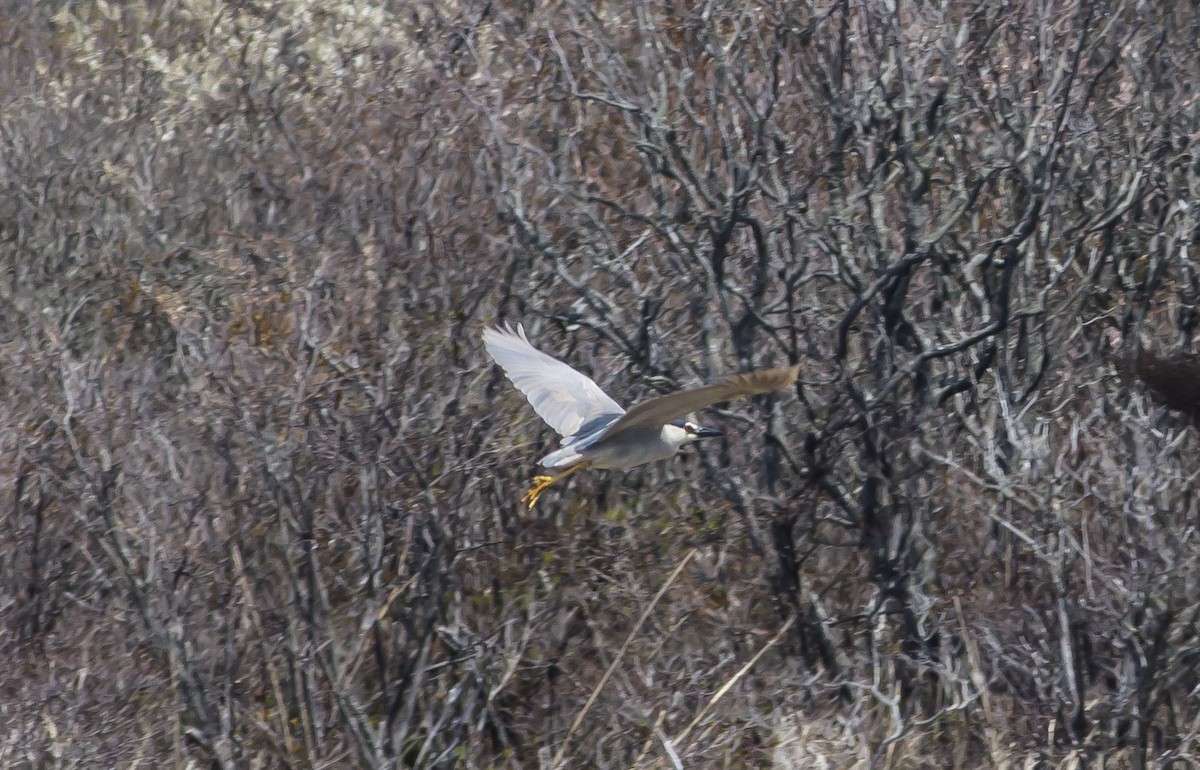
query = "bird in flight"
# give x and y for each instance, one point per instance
(597, 432)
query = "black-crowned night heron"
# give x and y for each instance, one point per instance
(596, 431)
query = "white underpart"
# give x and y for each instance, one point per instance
(627, 449)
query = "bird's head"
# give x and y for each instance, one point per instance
(693, 432)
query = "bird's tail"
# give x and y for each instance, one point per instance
(562, 458)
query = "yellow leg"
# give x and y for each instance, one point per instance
(541, 483)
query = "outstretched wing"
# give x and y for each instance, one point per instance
(661, 410)
(562, 396)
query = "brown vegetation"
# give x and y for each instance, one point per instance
(260, 481)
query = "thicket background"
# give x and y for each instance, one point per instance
(259, 481)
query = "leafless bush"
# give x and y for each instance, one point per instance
(261, 481)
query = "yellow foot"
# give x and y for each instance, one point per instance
(540, 484)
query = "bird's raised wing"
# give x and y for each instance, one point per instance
(562, 396)
(661, 410)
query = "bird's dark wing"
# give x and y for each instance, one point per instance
(661, 410)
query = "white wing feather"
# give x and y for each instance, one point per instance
(562, 396)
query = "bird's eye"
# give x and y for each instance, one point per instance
(690, 427)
